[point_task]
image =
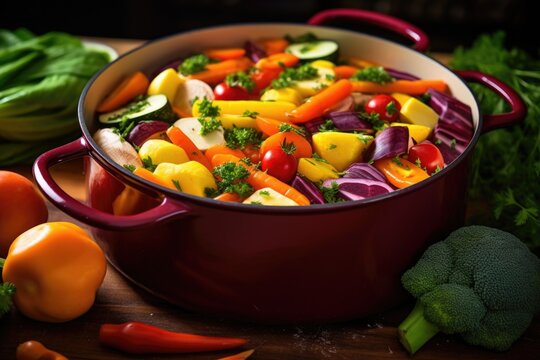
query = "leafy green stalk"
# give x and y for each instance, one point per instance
(415, 330)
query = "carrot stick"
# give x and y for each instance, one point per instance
(216, 73)
(229, 197)
(222, 149)
(274, 46)
(225, 54)
(345, 71)
(148, 175)
(277, 61)
(260, 179)
(179, 138)
(317, 104)
(132, 86)
(410, 87)
(269, 126)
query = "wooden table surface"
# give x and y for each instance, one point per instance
(118, 301)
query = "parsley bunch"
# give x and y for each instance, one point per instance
(193, 64)
(290, 75)
(232, 178)
(375, 74)
(241, 137)
(6, 292)
(506, 162)
(208, 117)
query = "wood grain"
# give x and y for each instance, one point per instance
(118, 301)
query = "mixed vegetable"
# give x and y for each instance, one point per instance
(284, 121)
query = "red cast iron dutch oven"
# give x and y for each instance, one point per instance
(311, 264)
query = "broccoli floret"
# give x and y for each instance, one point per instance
(480, 282)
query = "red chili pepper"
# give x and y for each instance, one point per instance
(139, 338)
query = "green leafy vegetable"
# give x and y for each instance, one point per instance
(506, 162)
(41, 79)
(375, 74)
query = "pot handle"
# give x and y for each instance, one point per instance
(518, 110)
(420, 39)
(168, 209)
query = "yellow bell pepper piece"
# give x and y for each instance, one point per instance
(190, 177)
(316, 170)
(166, 83)
(418, 132)
(229, 121)
(341, 149)
(401, 98)
(416, 112)
(57, 269)
(285, 94)
(271, 109)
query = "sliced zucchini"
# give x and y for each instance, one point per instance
(154, 107)
(315, 50)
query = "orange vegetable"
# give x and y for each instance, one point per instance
(229, 197)
(361, 63)
(179, 138)
(400, 173)
(345, 71)
(34, 350)
(222, 149)
(252, 153)
(269, 126)
(274, 46)
(303, 147)
(148, 175)
(260, 179)
(132, 86)
(240, 356)
(317, 104)
(277, 61)
(410, 87)
(216, 73)
(225, 54)
(22, 207)
(57, 269)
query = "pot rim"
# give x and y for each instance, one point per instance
(120, 172)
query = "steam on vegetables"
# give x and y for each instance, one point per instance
(287, 121)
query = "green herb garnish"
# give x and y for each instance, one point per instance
(242, 137)
(251, 114)
(304, 38)
(232, 178)
(331, 194)
(284, 127)
(290, 75)
(129, 167)
(193, 64)
(148, 164)
(327, 125)
(208, 114)
(375, 74)
(176, 184)
(240, 79)
(209, 125)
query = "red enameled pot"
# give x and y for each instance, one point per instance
(311, 264)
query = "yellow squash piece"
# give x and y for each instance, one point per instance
(190, 177)
(269, 196)
(401, 98)
(272, 109)
(284, 94)
(311, 87)
(57, 269)
(416, 112)
(418, 132)
(341, 149)
(229, 121)
(160, 151)
(316, 170)
(166, 83)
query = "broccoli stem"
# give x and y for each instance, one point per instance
(415, 330)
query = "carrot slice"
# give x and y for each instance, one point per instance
(132, 86)
(222, 149)
(225, 54)
(317, 104)
(179, 138)
(269, 126)
(345, 71)
(229, 197)
(277, 61)
(216, 73)
(260, 179)
(410, 87)
(274, 46)
(148, 175)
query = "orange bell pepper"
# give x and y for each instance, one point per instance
(400, 172)
(57, 269)
(32, 350)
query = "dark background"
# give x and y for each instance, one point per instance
(448, 23)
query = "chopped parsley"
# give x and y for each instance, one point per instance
(250, 114)
(453, 144)
(177, 184)
(391, 108)
(307, 37)
(125, 124)
(242, 137)
(256, 203)
(284, 127)
(288, 148)
(425, 98)
(331, 194)
(240, 79)
(208, 116)
(374, 119)
(438, 142)
(232, 178)
(375, 74)
(193, 64)
(211, 192)
(148, 164)
(264, 193)
(327, 125)
(364, 138)
(332, 146)
(129, 167)
(397, 160)
(318, 158)
(290, 75)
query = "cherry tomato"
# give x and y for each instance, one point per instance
(385, 105)
(263, 78)
(252, 153)
(222, 91)
(428, 155)
(278, 163)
